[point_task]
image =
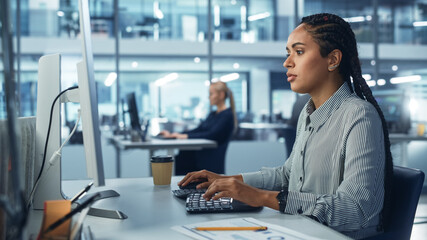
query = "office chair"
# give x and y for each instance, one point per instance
(407, 185)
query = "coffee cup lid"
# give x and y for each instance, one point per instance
(162, 158)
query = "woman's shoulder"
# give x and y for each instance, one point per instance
(226, 111)
(356, 106)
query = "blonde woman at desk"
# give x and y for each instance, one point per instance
(340, 169)
(218, 126)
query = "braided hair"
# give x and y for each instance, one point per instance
(331, 32)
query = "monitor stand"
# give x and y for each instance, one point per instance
(48, 87)
(104, 213)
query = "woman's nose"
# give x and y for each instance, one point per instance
(288, 63)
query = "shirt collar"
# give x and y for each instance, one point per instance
(319, 116)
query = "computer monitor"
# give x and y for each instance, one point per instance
(48, 89)
(88, 101)
(133, 111)
(395, 107)
(134, 117)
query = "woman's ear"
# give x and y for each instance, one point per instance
(222, 94)
(334, 59)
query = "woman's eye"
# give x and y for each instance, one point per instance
(299, 52)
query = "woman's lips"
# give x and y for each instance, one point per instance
(291, 77)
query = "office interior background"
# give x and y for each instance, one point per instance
(160, 50)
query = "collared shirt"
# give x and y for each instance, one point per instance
(336, 168)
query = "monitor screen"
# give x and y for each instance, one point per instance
(133, 111)
(394, 105)
(88, 101)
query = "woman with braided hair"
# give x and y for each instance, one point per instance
(340, 167)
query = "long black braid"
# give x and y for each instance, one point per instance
(332, 32)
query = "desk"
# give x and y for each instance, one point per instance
(403, 140)
(264, 125)
(153, 210)
(157, 144)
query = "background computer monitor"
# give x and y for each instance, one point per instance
(134, 117)
(395, 106)
(133, 111)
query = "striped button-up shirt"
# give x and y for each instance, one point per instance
(336, 169)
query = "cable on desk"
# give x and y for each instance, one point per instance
(30, 199)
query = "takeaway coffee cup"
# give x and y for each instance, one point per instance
(161, 167)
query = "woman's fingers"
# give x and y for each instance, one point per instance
(186, 178)
(194, 176)
(203, 185)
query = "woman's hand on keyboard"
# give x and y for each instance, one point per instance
(206, 177)
(238, 190)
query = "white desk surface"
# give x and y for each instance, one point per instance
(153, 210)
(189, 144)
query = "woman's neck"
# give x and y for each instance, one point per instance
(220, 107)
(324, 93)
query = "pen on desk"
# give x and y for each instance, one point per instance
(259, 228)
(72, 212)
(78, 195)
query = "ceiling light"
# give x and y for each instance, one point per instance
(229, 77)
(233, 2)
(420, 24)
(166, 79)
(381, 82)
(60, 13)
(373, 62)
(394, 68)
(196, 59)
(355, 19)
(236, 65)
(371, 83)
(258, 16)
(111, 78)
(412, 78)
(134, 64)
(367, 77)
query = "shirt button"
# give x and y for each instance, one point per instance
(302, 153)
(300, 179)
(299, 210)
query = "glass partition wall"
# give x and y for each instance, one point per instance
(158, 39)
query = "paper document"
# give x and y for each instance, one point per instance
(273, 231)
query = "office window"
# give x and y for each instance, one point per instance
(232, 20)
(403, 22)
(163, 19)
(245, 21)
(357, 13)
